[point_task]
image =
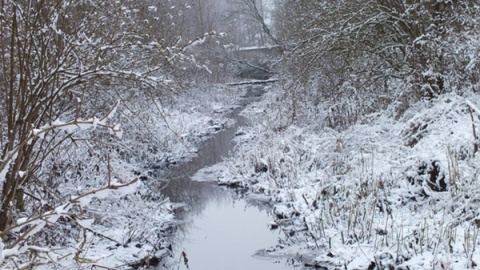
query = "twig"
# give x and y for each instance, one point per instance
(253, 82)
(475, 138)
(109, 170)
(102, 235)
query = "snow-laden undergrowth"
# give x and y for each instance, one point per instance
(104, 207)
(172, 129)
(385, 192)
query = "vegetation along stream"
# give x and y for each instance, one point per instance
(219, 229)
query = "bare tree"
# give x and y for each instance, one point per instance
(256, 11)
(65, 68)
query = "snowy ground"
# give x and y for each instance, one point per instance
(140, 223)
(106, 223)
(177, 125)
(385, 193)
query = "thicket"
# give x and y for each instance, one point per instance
(75, 79)
(363, 55)
(373, 161)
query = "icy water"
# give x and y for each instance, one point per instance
(220, 229)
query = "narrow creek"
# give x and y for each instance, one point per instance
(219, 229)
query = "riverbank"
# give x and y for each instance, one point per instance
(385, 192)
(132, 227)
(208, 231)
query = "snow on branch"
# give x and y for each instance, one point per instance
(200, 40)
(28, 227)
(75, 124)
(69, 126)
(103, 192)
(473, 107)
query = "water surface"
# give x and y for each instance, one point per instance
(219, 229)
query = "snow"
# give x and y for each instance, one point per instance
(209, 174)
(342, 198)
(86, 223)
(2, 256)
(152, 8)
(343, 194)
(75, 124)
(112, 212)
(37, 132)
(253, 48)
(117, 131)
(350, 188)
(58, 123)
(6, 166)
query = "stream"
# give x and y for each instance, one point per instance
(219, 229)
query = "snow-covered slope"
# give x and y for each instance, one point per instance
(383, 193)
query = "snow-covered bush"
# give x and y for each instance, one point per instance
(357, 57)
(385, 192)
(86, 85)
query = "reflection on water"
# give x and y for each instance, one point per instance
(225, 236)
(217, 230)
(180, 188)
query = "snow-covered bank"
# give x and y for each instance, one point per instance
(176, 126)
(135, 230)
(384, 193)
(114, 216)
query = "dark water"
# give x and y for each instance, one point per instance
(218, 228)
